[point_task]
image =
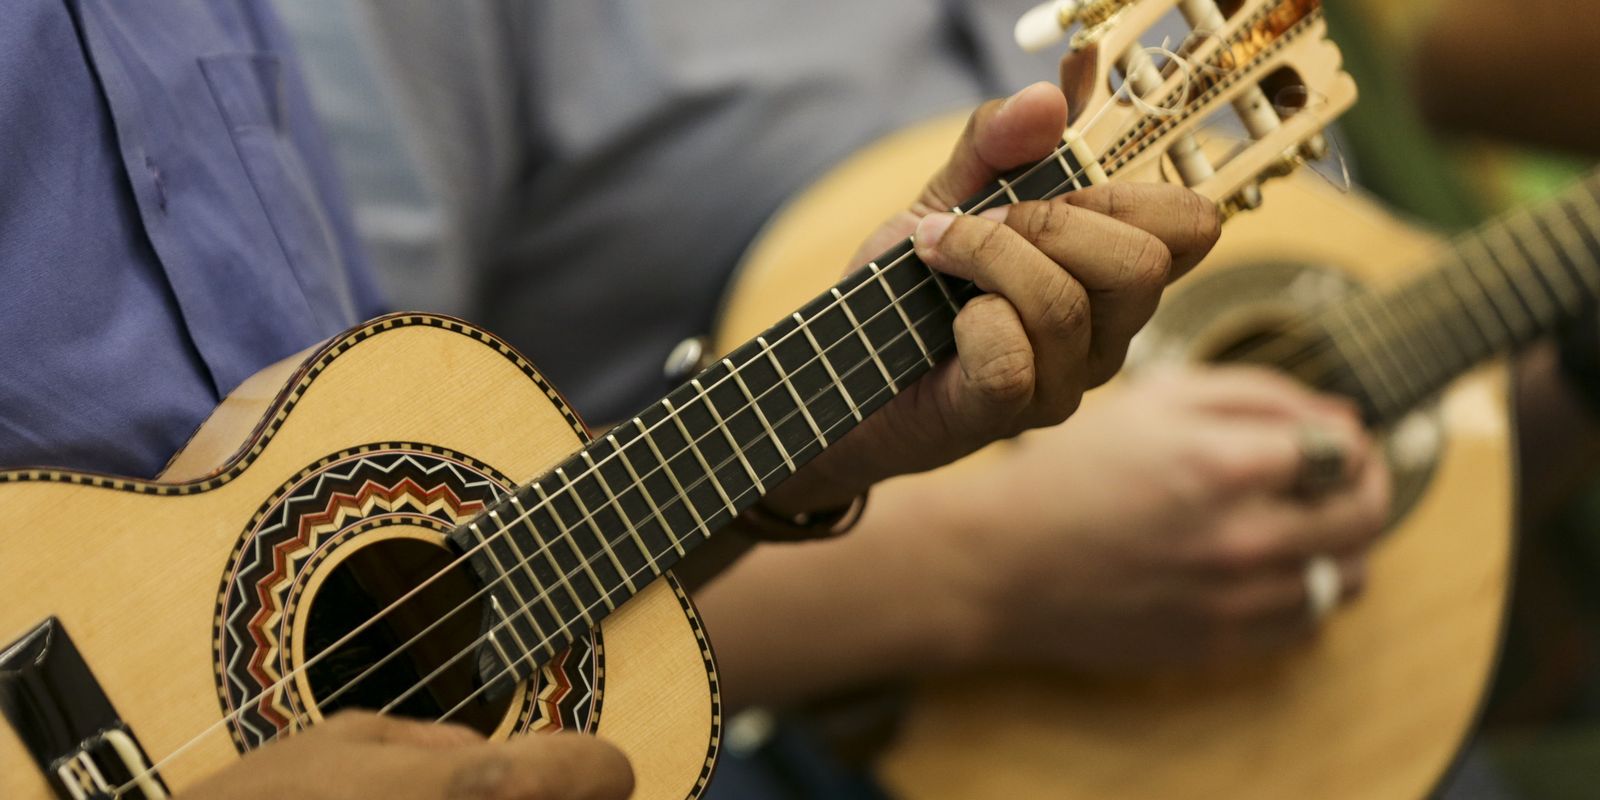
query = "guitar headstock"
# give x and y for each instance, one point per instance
(1139, 102)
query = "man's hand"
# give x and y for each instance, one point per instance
(1069, 282)
(1162, 526)
(360, 755)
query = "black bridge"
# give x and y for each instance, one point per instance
(66, 721)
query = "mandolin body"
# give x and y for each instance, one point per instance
(188, 595)
(1377, 706)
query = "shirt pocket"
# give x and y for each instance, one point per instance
(249, 92)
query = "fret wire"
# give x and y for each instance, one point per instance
(1520, 317)
(722, 425)
(1584, 196)
(894, 300)
(1407, 305)
(494, 602)
(644, 491)
(527, 564)
(1494, 331)
(783, 378)
(828, 365)
(1571, 240)
(1005, 186)
(938, 280)
(1369, 357)
(594, 527)
(1401, 343)
(1543, 306)
(511, 585)
(772, 433)
(499, 525)
(673, 475)
(622, 513)
(494, 641)
(1428, 290)
(861, 333)
(700, 457)
(550, 556)
(1568, 290)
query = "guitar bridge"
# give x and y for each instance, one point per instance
(67, 723)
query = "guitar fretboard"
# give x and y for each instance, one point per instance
(1501, 287)
(562, 552)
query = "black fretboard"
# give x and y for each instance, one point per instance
(1502, 286)
(560, 553)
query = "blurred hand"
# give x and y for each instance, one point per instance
(1069, 282)
(361, 755)
(1162, 527)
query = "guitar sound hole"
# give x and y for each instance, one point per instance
(391, 657)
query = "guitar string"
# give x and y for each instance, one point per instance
(586, 564)
(251, 700)
(1056, 155)
(510, 667)
(1134, 145)
(245, 703)
(1326, 344)
(862, 364)
(473, 646)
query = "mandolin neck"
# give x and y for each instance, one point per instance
(613, 517)
(1500, 287)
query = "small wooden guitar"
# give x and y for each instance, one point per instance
(1382, 702)
(410, 519)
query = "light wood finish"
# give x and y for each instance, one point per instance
(134, 575)
(1375, 708)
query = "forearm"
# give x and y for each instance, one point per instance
(794, 622)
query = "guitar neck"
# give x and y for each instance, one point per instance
(1501, 287)
(611, 518)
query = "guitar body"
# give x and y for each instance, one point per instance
(1379, 705)
(189, 596)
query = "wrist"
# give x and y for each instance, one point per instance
(943, 522)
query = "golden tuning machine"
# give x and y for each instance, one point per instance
(1045, 24)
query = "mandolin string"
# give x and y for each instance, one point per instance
(1057, 153)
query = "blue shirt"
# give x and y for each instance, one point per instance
(169, 224)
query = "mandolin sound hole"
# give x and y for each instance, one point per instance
(383, 664)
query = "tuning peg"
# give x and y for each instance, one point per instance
(1248, 197)
(1046, 23)
(1315, 148)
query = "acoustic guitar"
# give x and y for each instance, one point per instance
(1348, 297)
(410, 519)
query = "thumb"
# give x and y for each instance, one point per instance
(1000, 135)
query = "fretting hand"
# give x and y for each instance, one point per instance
(1068, 282)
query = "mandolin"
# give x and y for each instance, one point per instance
(1333, 289)
(410, 519)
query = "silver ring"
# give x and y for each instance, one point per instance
(1322, 586)
(1321, 461)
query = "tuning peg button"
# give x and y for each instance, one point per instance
(1046, 24)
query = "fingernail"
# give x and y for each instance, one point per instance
(932, 227)
(998, 213)
(1020, 92)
